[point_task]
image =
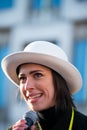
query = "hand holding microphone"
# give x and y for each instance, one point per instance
(29, 119)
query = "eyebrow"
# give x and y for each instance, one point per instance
(31, 72)
(34, 71)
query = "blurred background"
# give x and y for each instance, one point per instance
(63, 22)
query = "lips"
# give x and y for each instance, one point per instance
(33, 95)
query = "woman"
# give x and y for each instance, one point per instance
(47, 81)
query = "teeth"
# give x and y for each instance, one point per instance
(27, 94)
(34, 96)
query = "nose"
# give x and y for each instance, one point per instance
(29, 84)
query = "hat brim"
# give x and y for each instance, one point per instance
(64, 68)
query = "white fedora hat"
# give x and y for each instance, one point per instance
(47, 54)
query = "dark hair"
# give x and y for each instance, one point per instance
(18, 69)
(62, 94)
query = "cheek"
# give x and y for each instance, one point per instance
(52, 93)
(50, 89)
(49, 99)
(52, 97)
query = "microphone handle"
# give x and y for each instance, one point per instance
(29, 122)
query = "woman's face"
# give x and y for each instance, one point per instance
(36, 86)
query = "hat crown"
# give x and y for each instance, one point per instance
(43, 47)
(47, 54)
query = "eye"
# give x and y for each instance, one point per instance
(22, 79)
(38, 75)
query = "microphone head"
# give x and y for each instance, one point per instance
(31, 115)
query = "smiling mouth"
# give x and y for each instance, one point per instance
(34, 96)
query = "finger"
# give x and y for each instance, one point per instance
(19, 124)
(19, 127)
(22, 121)
(32, 127)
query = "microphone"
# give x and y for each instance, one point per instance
(31, 118)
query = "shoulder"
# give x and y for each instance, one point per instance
(80, 121)
(80, 115)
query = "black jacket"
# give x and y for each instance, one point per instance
(50, 120)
